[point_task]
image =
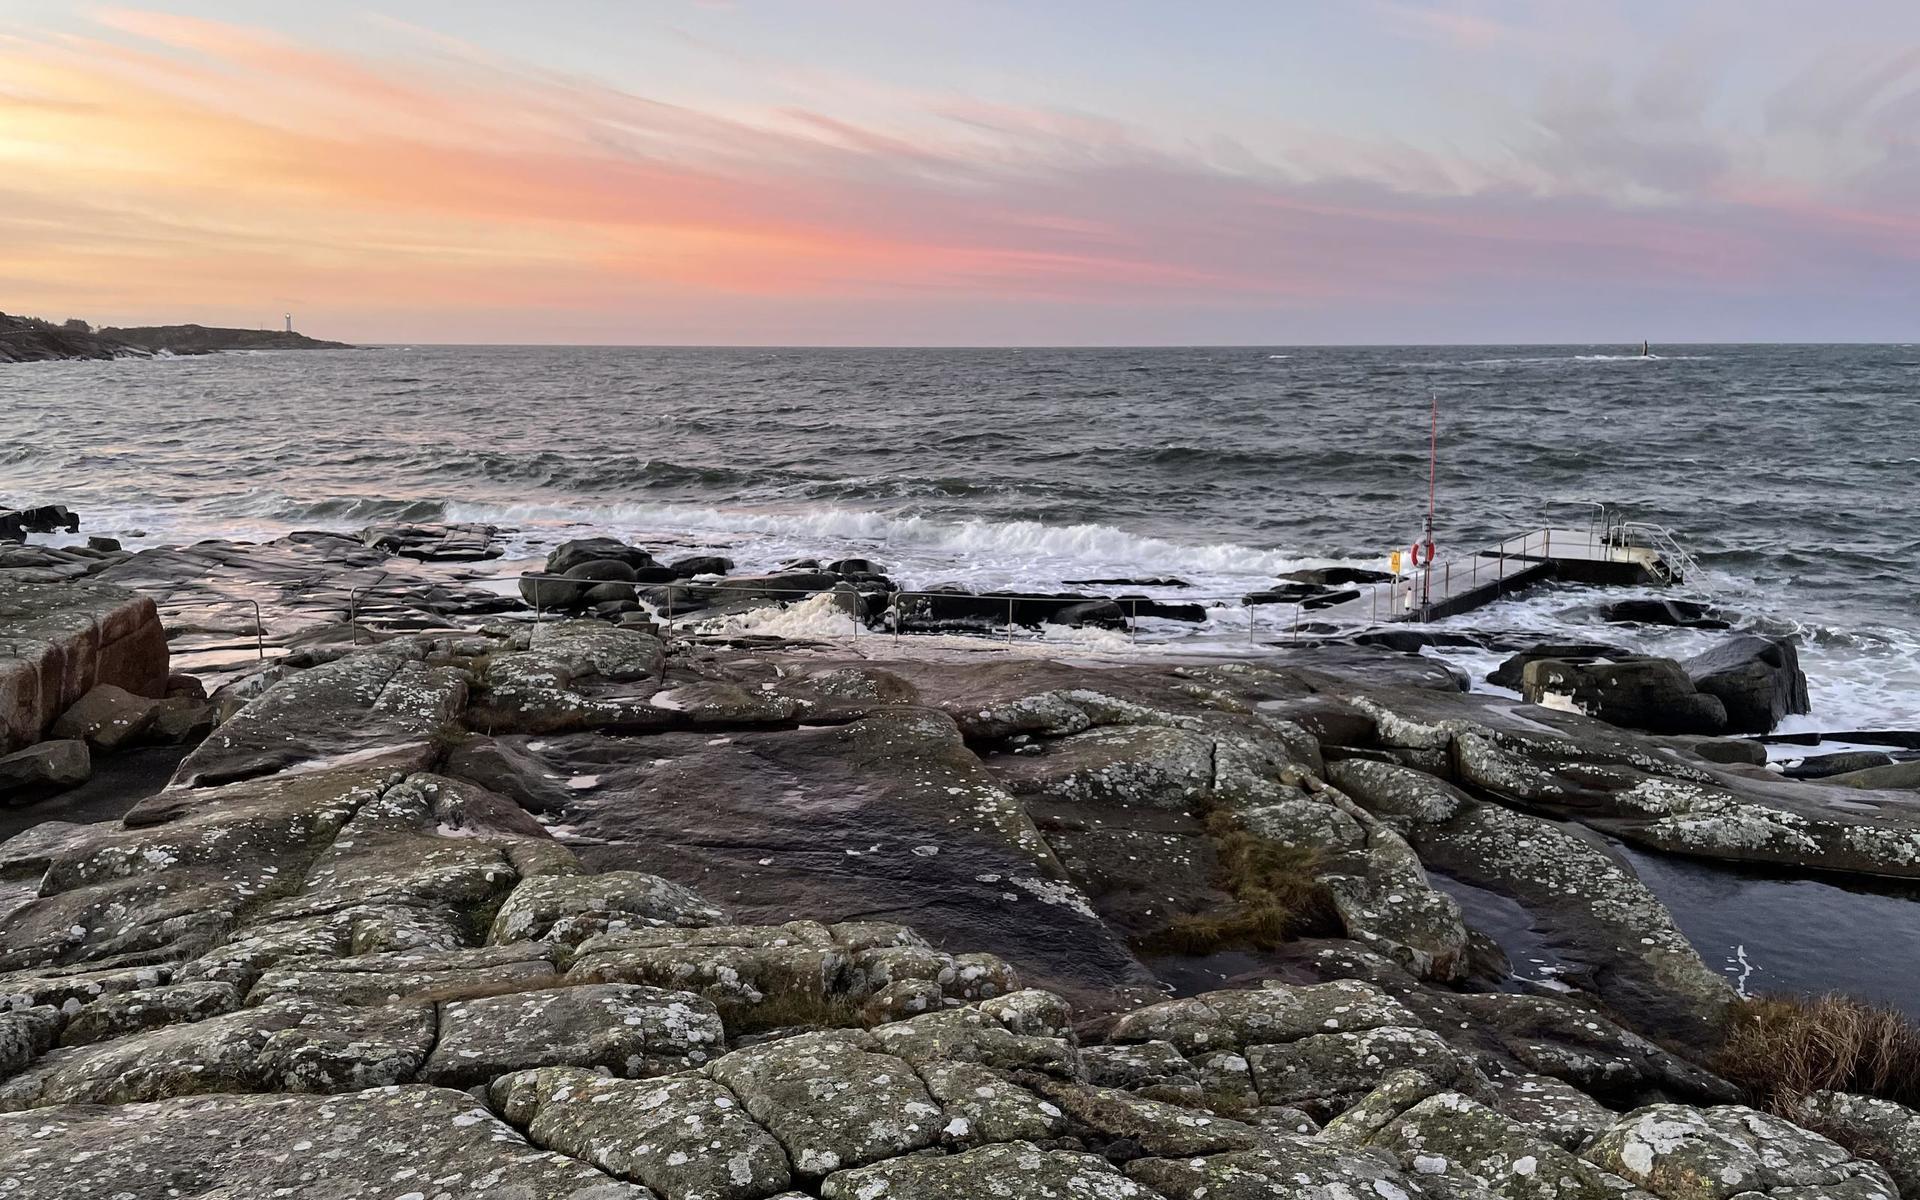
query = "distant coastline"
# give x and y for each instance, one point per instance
(30, 339)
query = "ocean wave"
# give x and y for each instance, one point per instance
(1008, 541)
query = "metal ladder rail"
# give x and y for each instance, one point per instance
(1669, 551)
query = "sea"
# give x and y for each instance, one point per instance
(1791, 473)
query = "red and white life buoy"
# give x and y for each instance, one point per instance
(1422, 553)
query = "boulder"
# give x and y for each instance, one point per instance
(108, 718)
(1679, 614)
(1508, 674)
(568, 555)
(700, 564)
(63, 640)
(1757, 679)
(1653, 694)
(43, 770)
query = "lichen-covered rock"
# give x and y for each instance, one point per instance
(1450, 1136)
(380, 702)
(26, 1034)
(68, 988)
(686, 1138)
(1010, 1171)
(1383, 899)
(1326, 1072)
(149, 1008)
(969, 1035)
(1572, 1043)
(287, 1046)
(1682, 1153)
(1564, 1115)
(396, 976)
(1397, 1092)
(174, 878)
(623, 1028)
(1103, 1115)
(1880, 1130)
(982, 1106)
(609, 902)
(1580, 893)
(738, 967)
(1138, 1065)
(1294, 1167)
(380, 1144)
(1230, 1020)
(831, 1100)
(1030, 1012)
(900, 1000)
(1402, 796)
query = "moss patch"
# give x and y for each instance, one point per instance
(1276, 894)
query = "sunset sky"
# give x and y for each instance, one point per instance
(1066, 172)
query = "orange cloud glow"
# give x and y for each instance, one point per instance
(164, 168)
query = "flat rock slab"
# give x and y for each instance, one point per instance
(1013, 1171)
(687, 1138)
(888, 817)
(307, 585)
(179, 880)
(382, 1144)
(59, 641)
(626, 1029)
(354, 708)
(832, 1101)
(288, 1046)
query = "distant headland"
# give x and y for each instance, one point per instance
(30, 339)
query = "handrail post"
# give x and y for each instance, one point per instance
(1133, 625)
(1009, 620)
(259, 630)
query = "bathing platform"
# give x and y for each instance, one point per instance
(1620, 555)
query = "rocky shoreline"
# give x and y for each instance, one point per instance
(28, 339)
(441, 900)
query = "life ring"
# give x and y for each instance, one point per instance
(1422, 554)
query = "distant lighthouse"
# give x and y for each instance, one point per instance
(289, 322)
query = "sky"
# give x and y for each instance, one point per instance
(885, 172)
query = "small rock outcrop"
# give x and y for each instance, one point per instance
(65, 640)
(1756, 679)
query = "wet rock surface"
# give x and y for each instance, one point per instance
(577, 911)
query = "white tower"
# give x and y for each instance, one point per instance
(289, 322)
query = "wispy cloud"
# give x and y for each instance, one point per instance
(161, 164)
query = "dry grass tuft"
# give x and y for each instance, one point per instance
(1276, 892)
(1782, 1048)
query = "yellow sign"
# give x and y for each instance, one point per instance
(1396, 562)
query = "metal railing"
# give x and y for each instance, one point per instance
(1670, 559)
